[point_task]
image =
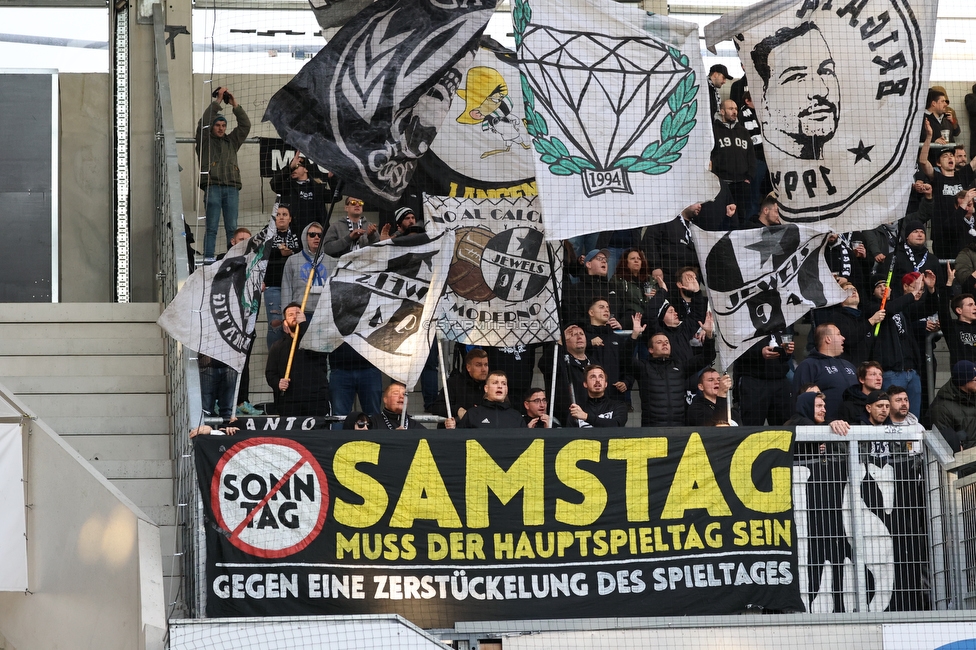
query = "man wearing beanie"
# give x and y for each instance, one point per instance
(954, 408)
(913, 256)
(220, 175)
(405, 220)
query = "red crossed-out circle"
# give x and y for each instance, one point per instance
(304, 457)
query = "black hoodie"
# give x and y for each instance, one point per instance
(492, 415)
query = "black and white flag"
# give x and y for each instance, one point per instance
(762, 280)
(334, 13)
(370, 103)
(215, 312)
(381, 300)
(500, 290)
(839, 88)
(617, 106)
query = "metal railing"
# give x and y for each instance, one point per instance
(181, 371)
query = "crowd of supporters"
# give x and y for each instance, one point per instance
(635, 321)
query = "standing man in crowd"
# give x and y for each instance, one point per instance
(733, 156)
(351, 233)
(535, 405)
(954, 409)
(595, 409)
(220, 175)
(826, 369)
(465, 387)
(718, 74)
(306, 390)
(309, 196)
(494, 411)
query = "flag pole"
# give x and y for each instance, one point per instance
(552, 391)
(443, 373)
(311, 275)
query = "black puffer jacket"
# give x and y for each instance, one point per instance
(662, 392)
(465, 393)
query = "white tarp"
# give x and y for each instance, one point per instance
(13, 521)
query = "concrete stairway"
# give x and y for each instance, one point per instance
(95, 374)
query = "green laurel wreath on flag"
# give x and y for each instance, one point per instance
(656, 158)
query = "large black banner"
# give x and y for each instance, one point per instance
(439, 526)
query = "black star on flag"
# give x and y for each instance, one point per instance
(771, 243)
(861, 152)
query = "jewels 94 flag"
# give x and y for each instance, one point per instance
(762, 280)
(370, 103)
(615, 105)
(500, 290)
(839, 89)
(214, 313)
(381, 300)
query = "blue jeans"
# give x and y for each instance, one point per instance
(272, 306)
(345, 384)
(911, 382)
(220, 198)
(217, 388)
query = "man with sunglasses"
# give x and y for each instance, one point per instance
(299, 267)
(351, 233)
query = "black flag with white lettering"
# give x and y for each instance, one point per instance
(370, 103)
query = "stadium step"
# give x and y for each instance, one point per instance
(95, 373)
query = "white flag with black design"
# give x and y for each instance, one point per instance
(215, 312)
(504, 278)
(381, 300)
(839, 89)
(483, 147)
(370, 103)
(762, 280)
(617, 105)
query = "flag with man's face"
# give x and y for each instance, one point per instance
(839, 89)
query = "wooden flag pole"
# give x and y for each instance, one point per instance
(311, 276)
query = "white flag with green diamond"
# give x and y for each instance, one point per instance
(616, 102)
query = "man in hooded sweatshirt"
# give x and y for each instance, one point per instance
(970, 101)
(300, 267)
(494, 412)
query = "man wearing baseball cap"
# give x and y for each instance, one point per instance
(594, 284)
(954, 408)
(718, 74)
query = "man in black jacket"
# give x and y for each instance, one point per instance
(710, 407)
(764, 391)
(494, 411)
(605, 347)
(306, 391)
(870, 377)
(662, 385)
(466, 387)
(596, 409)
(733, 157)
(307, 194)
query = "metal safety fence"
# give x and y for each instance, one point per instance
(182, 376)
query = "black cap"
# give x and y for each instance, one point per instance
(718, 67)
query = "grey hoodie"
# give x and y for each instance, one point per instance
(296, 273)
